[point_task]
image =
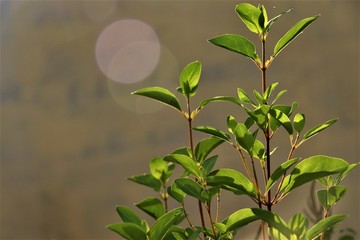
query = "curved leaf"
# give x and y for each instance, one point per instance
(219, 99)
(190, 187)
(244, 97)
(273, 220)
(213, 131)
(152, 206)
(164, 223)
(158, 168)
(147, 180)
(298, 28)
(311, 169)
(205, 147)
(323, 225)
(312, 132)
(188, 164)
(128, 230)
(236, 43)
(239, 219)
(176, 193)
(252, 17)
(283, 119)
(189, 78)
(299, 122)
(128, 215)
(160, 94)
(271, 21)
(280, 171)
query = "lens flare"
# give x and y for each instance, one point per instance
(127, 51)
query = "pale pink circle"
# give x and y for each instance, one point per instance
(127, 51)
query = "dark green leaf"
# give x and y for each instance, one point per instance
(231, 180)
(176, 193)
(128, 215)
(343, 174)
(236, 43)
(239, 219)
(209, 163)
(209, 193)
(164, 223)
(312, 132)
(147, 180)
(128, 230)
(188, 164)
(292, 34)
(152, 206)
(214, 132)
(259, 115)
(205, 147)
(299, 122)
(190, 187)
(323, 225)
(160, 94)
(189, 78)
(280, 171)
(311, 169)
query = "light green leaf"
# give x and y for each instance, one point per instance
(244, 97)
(311, 169)
(239, 219)
(273, 220)
(219, 99)
(283, 119)
(236, 43)
(344, 173)
(213, 131)
(271, 21)
(299, 122)
(259, 98)
(259, 115)
(189, 78)
(278, 96)
(176, 193)
(244, 137)
(164, 223)
(158, 168)
(205, 147)
(252, 17)
(231, 180)
(258, 150)
(328, 198)
(152, 206)
(160, 94)
(280, 171)
(190, 187)
(147, 180)
(298, 225)
(292, 34)
(312, 132)
(128, 230)
(323, 225)
(209, 193)
(188, 164)
(269, 90)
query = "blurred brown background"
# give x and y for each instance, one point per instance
(71, 132)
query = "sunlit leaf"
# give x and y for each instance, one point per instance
(213, 131)
(312, 132)
(244, 137)
(344, 173)
(244, 97)
(160, 94)
(128, 230)
(236, 43)
(128, 215)
(323, 225)
(158, 167)
(292, 34)
(189, 78)
(188, 164)
(147, 180)
(176, 193)
(280, 171)
(152, 206)
(252, 17)
(164, 223)
(283, 119)
(219, 99)
(271, 21)
(298, 225)
(269, 90)
(299, 122)
(239, 219)
(190, 187)
(273, 220)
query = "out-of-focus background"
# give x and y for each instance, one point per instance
(71, 132)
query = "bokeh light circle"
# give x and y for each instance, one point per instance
(127, 51)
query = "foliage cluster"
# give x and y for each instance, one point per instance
(251, 139)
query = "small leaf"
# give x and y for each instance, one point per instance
(209, 163)
(298, 225)
(128, 230)
(271, 21)
(278, 96)
(244, 97)
(160, 94)
(190, 187)
(158, 167)
(244, 137)
(335, 193)
(128, 215)
(323, 225)
(259, 115)
(188, 164)
(147, 180)
(213, 131)
(344, 173)
(283, 119)
(231, 180)
(258, 150)
(259, 98)
(299, 122)
(280, 171)
(152, 206)
(236, 43)
(205, 147)
(164, 223)
(312, 132)
(269, 90)
(176, 193)
(273, 220)
(209, 193)
(219, 99)
(189, 78)
(292, 34)
(312, 168)
(251, 16)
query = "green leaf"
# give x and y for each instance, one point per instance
(311, 169)
(219, 99)
(209, 163)
(188, 164)
(283, 119)
(344, 173)
(299, 122)
(190, 187)
(298, 225)
(213, 131)
(160, 94)
(292, 34)
(158, 168)
(231, 124)
(128, 215)
(164, 223)
(328, 198)
(280, 171)
(258, 150)
(273, 220)
(152, 206)
(244, 137)
(259, 98)
(239, 219)
(205, 147)
(312, 132)
(209, 193)
(244, 97)
(176, 193)
(259, 115)
(278, 96)
(271, 21)
(269, 90)
(189, 78)
(236, 43)
(130, 231)
(252, 17)
(147, 180)
(323, 225)
(231, 180)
